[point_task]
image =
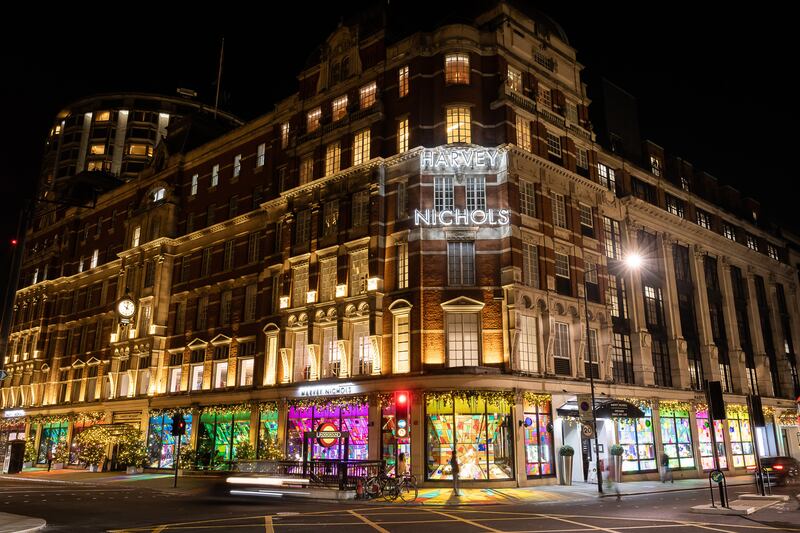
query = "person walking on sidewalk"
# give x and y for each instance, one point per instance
(49, 457)
(666, 471)
(454, 469)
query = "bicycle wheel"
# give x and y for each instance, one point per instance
(373, 487)
(391, 490)
(408, 491)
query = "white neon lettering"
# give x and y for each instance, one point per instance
(424, 219)
(461, 217)
(446, 213)
(504, 218)
(478, 217)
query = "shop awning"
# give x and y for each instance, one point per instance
(617, 409)
(603, 409)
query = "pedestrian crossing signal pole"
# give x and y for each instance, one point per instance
(178, 430)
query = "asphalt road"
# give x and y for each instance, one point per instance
(84, 508)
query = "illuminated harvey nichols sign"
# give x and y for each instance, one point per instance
(458, 161)
(461, 217)
(445, 160)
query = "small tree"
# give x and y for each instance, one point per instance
(93, 443)
(566, 451)
(269, 449)
(188, 457)
(616, 450)
(132, 448)
(30, 451)
(245, 451)
(61, 453)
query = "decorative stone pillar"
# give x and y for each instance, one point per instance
(679, 362)
(736, 355)
(708, 351)
(762, 367)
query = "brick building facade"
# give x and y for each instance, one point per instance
(425, 215)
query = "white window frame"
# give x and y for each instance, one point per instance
(403, 81)
(261, 155)
(530, 264)
(476, 193)
(339, 108)
(313, 118)
(586, 215)
(443, 194)
(553, 144)
(527, 198)
(528, 345)
(195, 178)
(361, 147)
(456, 69)
(359, 271)
(562, 265)
(215, 175)
(559, 210)
(458, 123)
(237, 165)
(514, 79)
(402, 264)
(402, 136)
(367, 95)
(333, 158)
(463, 338)
(523, 133)
(460, 263)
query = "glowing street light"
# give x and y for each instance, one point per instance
(633, 260)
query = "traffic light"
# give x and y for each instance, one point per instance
(401, 401)
(178, 425)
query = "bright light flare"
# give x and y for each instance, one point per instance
(633, 260)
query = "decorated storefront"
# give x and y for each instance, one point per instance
(393, 446)
(705, 444)
(538, 436)
(344, 414)
(676, 434)
(269, 446)
(741, 436)
(477, 427)
(161, 444)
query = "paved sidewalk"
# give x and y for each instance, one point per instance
(427, 496)
(14, 523)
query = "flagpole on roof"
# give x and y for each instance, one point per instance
(219, 76)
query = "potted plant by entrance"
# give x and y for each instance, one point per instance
(566, 452)
(616, 461)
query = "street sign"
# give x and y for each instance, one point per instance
(3, 375)
(717, 476)
(585, 406)
(587, 431)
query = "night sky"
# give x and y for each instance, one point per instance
(713, 87)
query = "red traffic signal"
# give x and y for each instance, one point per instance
(178, 425)
(401, 401)
(13, 242)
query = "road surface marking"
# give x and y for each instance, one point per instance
(268, 525)
(368, 521)
(470, 522)
(575, 523)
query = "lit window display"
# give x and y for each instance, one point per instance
(352, 418)
(704, 436)
(741, 440)
(481, 433)
(676, 437)
(161, 445)
(267, 434)
(538, 441)
(638, 444)
(393, 446)
(220, 434)
(52, 434)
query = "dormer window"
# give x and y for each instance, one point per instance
(655, 165)
(312, 119)
(159, 194)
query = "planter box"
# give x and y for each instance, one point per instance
(134, 470)
(57, 466)
(93, 468)
(27, 465)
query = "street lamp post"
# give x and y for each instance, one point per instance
(591, 379)
(633, 261)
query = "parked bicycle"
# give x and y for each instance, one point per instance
(391, 488)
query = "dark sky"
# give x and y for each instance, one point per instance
(713, 86)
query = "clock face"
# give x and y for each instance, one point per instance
(126, 308)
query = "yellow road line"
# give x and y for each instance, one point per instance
(368, 522)
(268, 524)
(703, 526)
(470, 522)
(573, 522)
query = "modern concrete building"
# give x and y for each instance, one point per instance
(427, 215)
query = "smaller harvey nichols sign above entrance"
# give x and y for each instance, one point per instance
(336, 389)
(450, 160)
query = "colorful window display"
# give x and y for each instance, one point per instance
(742, 451)
(268, 446)
(538, 441)
(393, 446)
(52, 434)
(219, 436)
(676, 437)
(352, 418)
(638, 444)
(480, 432)
(161, 445)
(704, 436)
